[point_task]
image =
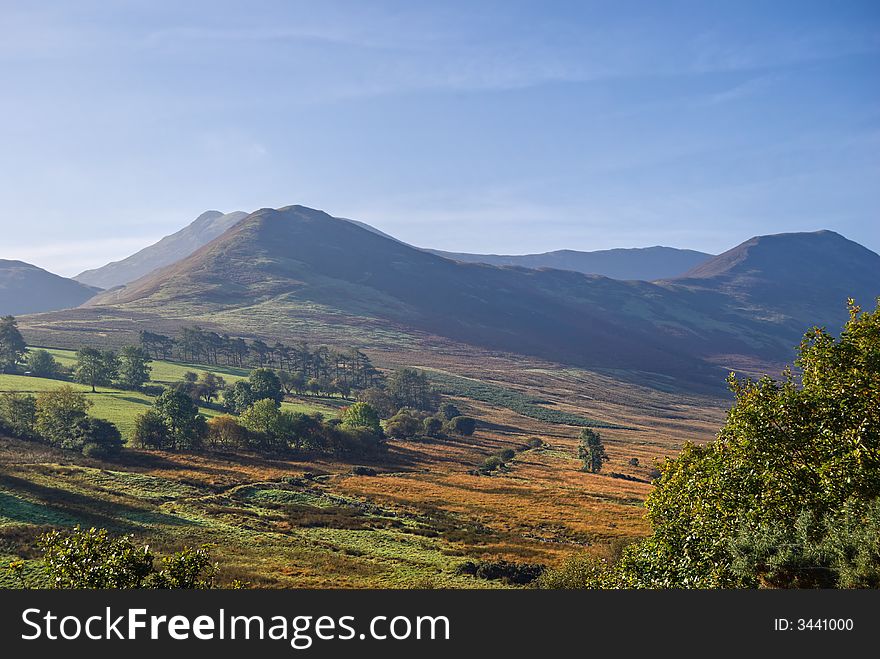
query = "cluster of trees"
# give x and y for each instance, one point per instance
(787, 496)
(59, 418)
(175, 423)
(405, 388)
(311, 370)
(128, 369)
(409, 423)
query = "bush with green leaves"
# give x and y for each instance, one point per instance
(273, 428)
(173, 424)
(432, 426)
(58, 417)
(100, 439)
(406, 424)
(462, 425)
(18, 414)
(361, 416)
(94, 559)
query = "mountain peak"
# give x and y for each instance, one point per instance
(788, 256)
(170, 249)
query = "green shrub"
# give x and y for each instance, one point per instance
(462, 425)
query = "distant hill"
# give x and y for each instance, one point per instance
(791, 278)
(646, 263)
(25, 288)
(170, 249)
(278, 264)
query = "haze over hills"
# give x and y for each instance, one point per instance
(644, 263)
(25, 288)
(283, 263)
(170, 249)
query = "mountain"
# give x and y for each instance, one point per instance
(792, 278)
(279, 267)
(646, 263)
(170, 249)
(25, 288)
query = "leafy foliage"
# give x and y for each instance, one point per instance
(94, 559)
(42, 364)
(134, 369)
(12, 345)
(58, 415)
(789, 494)
(361, 415)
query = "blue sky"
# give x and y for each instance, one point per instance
(479, 126)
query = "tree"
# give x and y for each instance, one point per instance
(95, 367)
(58, 415)
(291, 381)
(238, 397)
(210, 385)
(134, 369)
(12, 345)
(362, 416)
(101, 439)
(274, 427)
(265, 384)
(225, 432)
(462, 425)
(18, 414)
(186, 427)
(150, 431)
(406, 424)
(42, 364)
(591, 451)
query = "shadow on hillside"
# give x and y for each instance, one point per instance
(63, 505)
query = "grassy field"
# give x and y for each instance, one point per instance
(122, 407)
(409, 526)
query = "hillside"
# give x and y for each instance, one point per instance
(25, 288)
(170, 249)
(281, 265)
(792, 278)
(646, 264)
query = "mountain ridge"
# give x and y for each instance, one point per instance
(627, 263)
(280, 261)
(170, 249)
(26, 288)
